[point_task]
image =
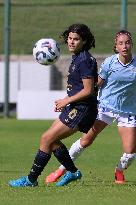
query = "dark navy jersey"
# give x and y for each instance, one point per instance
(83, 66)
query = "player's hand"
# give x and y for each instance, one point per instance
(58, 110)
(61, 103)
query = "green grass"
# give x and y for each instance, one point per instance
(35, 19)
(19, 140)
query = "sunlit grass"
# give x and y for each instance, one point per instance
(19, 141)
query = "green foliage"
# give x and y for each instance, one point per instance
(19, 141)
(35, 19)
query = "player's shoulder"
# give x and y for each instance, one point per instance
(86, 56)
(111, 59)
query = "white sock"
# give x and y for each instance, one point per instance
(125, 161)
(74, 152)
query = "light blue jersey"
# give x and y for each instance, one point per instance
(118, 92)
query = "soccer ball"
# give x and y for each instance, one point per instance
(46, 51)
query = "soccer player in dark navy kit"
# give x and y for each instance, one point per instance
(78, 108)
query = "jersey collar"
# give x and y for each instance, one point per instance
(124, 64)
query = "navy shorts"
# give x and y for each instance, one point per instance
(79, 115)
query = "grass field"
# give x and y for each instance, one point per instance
(18, 143)
(35, 19)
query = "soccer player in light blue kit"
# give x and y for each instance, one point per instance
(117, 102)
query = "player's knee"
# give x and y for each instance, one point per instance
(45, 139)
(86, 141)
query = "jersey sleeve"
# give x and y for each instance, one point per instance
(103, 70)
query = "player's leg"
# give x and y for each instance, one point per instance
(77, 148)
(128, 137)
(50, 142)
(75, 151)
(87, 139)
(83, 117)
(62, 155)
(103, 119)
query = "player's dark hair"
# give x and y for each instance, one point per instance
(122, 32)
(84, 32)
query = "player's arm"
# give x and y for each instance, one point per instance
(100, 82)
(88, 89)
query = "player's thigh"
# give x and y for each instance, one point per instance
(98, 126)
(57, 132)
(128, 137)
(54, 123)
(87, 139)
